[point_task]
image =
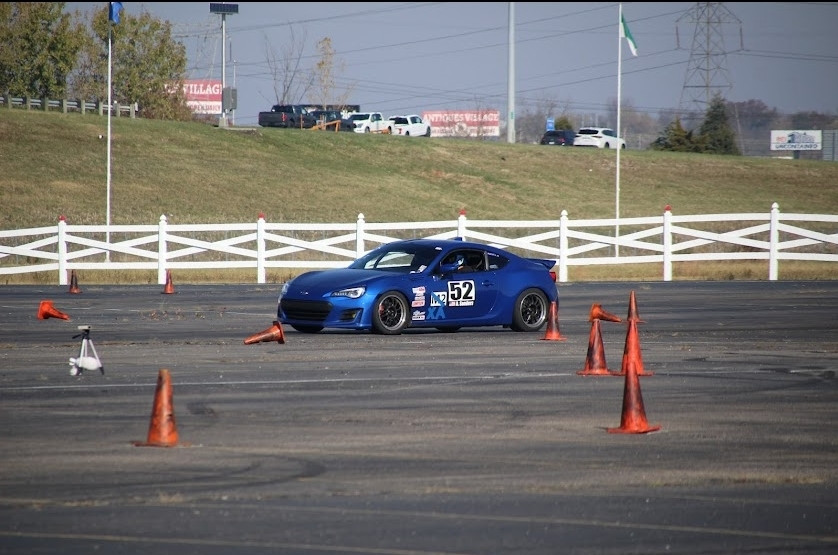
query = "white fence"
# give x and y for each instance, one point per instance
(261, 245)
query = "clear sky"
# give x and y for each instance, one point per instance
(410, 57)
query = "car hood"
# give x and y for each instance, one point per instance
(324, 281)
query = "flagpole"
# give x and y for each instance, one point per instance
(619, 131)
(110, 107)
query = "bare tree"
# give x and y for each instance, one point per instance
(325, 70)
(290, 81)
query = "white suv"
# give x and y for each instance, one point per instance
(600, 137)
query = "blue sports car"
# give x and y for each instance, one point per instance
(423, 283)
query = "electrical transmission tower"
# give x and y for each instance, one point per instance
(707, 72)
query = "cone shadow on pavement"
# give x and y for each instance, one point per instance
(595, 364)
(553, 333)
(47, 310)
(162, 430)
(273, 333)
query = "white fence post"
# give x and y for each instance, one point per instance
(359, 236)
(461, 224)
(260, 249)
(667, 243)
(162, 251)
(62, 250)
(774, 242)
(563, 256)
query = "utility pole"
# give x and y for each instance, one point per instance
(510, 94)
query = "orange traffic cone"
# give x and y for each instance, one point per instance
(47, 310)
(632, 357)
(273, 333)
(633, 419)
(169, 288)
(595, 364)
(552, 333)
(74, 283)
(598, 313)
(632, 315)
(162, 431)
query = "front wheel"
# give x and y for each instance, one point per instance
(530, 311)
(390, 314)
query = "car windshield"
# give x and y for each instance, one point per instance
(404, 259)
(588, 131)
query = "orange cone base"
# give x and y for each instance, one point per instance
(552, 333)
(273, 333)
(634, 430)
(47, 310)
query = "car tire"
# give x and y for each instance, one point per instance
(530, 311)
(367, 130)
(390, 314)
(428, 132)
(407, 133)
(307, 329)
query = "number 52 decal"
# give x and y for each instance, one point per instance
(461, 293)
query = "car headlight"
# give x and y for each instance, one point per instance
(351, 292)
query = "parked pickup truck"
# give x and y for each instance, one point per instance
(370, 122)
(287, 115)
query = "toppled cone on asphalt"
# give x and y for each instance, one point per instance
(273, 333)
(47, 310)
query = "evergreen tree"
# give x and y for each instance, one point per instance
(715, 134)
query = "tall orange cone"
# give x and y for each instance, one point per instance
(162, 431)
(273, 333)
(632, 315)
(169, 287)
(74, 283)
(633, 419)
(632, 357)
(47, 310)
(595, 364)
(552, 333)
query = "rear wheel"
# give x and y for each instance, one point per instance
(390, 314)
(530, 311)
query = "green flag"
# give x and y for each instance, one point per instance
(625, 33)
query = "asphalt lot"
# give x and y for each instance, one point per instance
(479, 442)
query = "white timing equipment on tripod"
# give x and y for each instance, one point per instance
(88, 358)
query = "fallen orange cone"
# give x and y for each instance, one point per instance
(47, 310)
(273, 333)
(552, 333)
(162, 430)
(633, 419)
